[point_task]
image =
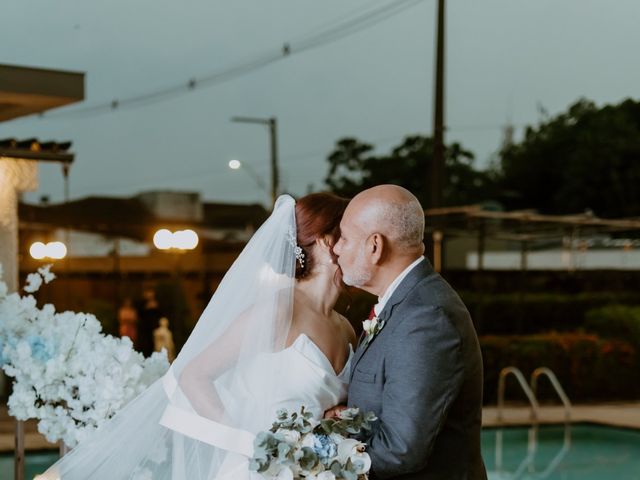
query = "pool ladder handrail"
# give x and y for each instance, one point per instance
(555, 383)
(530, 391)
(535, 407)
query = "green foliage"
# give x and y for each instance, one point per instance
(526, 313)
(588, 367)
(587, 158)
(350, 422)
(353, 167)
(615, 321)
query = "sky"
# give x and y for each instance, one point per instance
(506, 59)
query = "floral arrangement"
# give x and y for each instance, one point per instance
(300, 447)
(67, 374)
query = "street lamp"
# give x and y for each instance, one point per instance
(237, 165)
(52, 250)
(272, 123)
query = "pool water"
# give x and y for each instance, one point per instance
(36, 462)
(584, 452)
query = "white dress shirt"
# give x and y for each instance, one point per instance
(382, 301)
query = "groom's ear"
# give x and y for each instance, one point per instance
(376, 247)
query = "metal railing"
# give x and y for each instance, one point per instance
(535, 407)
(531, 390)
(556, 386)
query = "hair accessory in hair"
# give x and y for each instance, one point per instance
(299, 255)
(297, 250)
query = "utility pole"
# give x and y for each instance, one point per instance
(437, 169)
(272, 123)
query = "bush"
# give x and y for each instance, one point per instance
(615, 321)
(529, 313)
(587, 366)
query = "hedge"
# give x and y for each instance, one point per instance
(537, 312)
(615, 321)
(588, 367)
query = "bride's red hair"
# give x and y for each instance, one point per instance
(317, 215)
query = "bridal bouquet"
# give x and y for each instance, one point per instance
(299, 447)
(67, 374)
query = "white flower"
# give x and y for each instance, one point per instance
(34, 281)
(349, 447)
(285, 474)
(308, 440)
(369, 326)
(361, 462)
(62, 362)
(46, 274)
(325, 476)
(290, 436)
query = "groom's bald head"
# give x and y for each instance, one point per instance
(392, 211)
(381, 233)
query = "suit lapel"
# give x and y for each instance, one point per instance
(419, 272)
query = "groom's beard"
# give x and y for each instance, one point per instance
(357, 276)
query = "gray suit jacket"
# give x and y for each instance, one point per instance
(422, 376)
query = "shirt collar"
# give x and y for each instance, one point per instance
(382, 301)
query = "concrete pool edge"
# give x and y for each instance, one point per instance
(624, 415)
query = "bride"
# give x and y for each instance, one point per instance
(269, 339)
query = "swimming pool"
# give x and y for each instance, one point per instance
(584, 452)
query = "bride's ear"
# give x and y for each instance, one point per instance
(325, 244)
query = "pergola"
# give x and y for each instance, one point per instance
(26, 91)
(523, 226)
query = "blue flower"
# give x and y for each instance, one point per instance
(40, 350)
(324, 447)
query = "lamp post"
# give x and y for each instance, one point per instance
(437, 171)
(272, 123)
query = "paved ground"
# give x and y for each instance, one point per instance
(615, 414)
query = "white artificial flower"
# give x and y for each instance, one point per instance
(46, 274)
(349, 447)
(290, 436)
(285, 473)
(308, 440)
(325, 476)
(362, 462)
(369, 326)
(34, 282)
(78, 376)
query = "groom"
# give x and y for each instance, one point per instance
(418, 367)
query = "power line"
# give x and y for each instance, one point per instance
(345, 28)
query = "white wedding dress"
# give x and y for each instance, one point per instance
(305, 376)
(238, 347)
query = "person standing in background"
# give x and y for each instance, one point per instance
(128, 321)
(150, 316)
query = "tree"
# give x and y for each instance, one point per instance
(587, 158)
(353, 167)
